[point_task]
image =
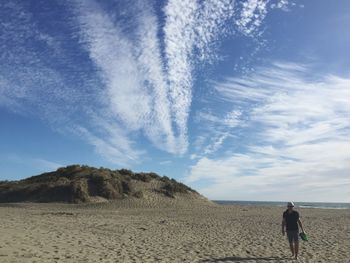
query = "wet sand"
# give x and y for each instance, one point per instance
(180, 233)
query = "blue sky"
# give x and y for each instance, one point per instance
(242, 100)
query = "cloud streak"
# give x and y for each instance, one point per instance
(215, 130)
(301, 143)
(159, 94)
(116, 82)
(252, 15)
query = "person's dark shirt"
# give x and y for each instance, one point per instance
(291, 220)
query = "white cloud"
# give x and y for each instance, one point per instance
(115, 147)
(112, 53)
(230, 120)
(143, 85)
(192, 31)
(216, 142)
(159, 124)
(251, 16)
(213, 24)
(157, 98)
(301, 143)
(214, 130)
(179, 41)
(30, 84)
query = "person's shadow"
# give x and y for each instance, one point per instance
(241, 259)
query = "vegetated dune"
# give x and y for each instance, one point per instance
(84, 184)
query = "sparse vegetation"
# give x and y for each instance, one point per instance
(171, 187)
(78, 184)
(143, 177)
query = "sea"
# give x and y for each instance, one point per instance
(283, 204)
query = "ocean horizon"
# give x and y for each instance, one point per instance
(320, 205)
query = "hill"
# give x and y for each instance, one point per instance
(84, 184)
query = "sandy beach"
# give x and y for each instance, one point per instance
(183, 232)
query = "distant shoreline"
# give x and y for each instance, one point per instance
(319, 205)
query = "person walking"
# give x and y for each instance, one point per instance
(290, 224)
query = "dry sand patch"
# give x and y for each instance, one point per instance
(181, 233)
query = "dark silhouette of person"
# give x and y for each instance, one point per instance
(290, 223)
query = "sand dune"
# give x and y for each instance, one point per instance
(182, 231)
(84, 184)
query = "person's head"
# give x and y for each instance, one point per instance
(290, 205)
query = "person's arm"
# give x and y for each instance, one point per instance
(283, 225)
(301, 225)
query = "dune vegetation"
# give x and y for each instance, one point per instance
(82, 184)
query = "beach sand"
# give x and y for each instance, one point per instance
(184, 232)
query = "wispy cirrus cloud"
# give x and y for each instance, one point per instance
(162, 83)
(252, 15)
(136, 93)
(112, 53)
(253, 12)
(214, 130)
(230, 119)
(18, 84)
(32, 82)
(115, 147)
(191, 30)
(114, 81)
(302, 141)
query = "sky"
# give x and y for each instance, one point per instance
(239, 99)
